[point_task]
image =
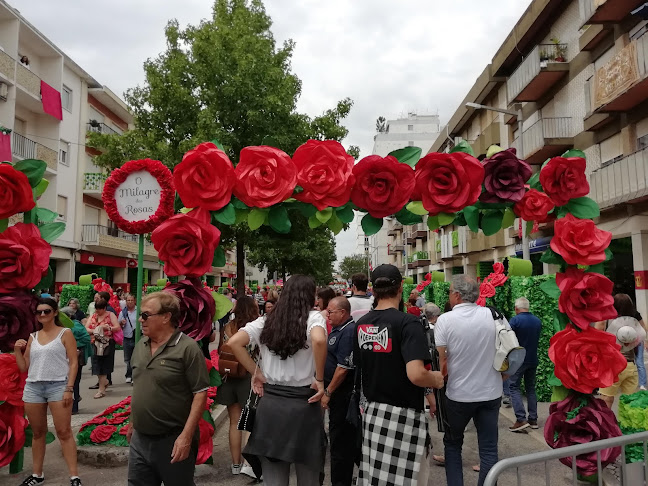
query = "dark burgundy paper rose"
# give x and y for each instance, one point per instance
(186, 243)
(12, 381)
(585, 297)
(17, 319)
(579, 241)
(447, 183)
(505, 178)
(206, 444)
(24, 258)
(534, 206)
(205, 178)
(586, 360)
(15, 192)
(197, 307)
(564, 179)
(581, 420)
(265, 176)
(102, 433)
(12, 432)
(383, 185)
(324, 171)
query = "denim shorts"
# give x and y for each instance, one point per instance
(44, 391)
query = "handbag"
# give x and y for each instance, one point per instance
(248, 414)
(228, 365)
(119, 337)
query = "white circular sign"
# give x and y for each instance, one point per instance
(138, 197)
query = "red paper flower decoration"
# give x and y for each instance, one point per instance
(564, 179)
(505, 177)
(17, 318)
(94, 421)
(197, 307)
(265, 176)
(116, 420)
(585, 297)
(579, 241)
(487, 286)
(324, 171)
(164, 211)
(12, 432)
(534, 206)
(205, 178)
(102, 433)
(206, 444)
(124, 430)
(447, 183)
(586, 360)
(383, 185)
(15, 192)
(214, 357)
(186, 243)
(12, 381)
(24, 258)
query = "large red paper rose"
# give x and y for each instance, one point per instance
(383, 185)
(587, 359)
(324, 171)
(447, 183)
(24, 258)
(197, 307)
(102, 433)
(12, 432)
(585, 297)
(12, 381)
(205, 178)
(206, 444)
(564, 179)
(15, 192)
(186, 243)
(505, 177)
(579, 241)
(534, 206)
(17, 318)
(265, 176)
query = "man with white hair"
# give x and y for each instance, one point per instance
(527, 327)
(432, 313)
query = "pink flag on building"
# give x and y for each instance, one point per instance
(51, 99)
(5, 147)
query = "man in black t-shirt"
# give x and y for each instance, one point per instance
(391, 353)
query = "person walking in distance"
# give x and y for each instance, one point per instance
(360, 302)
(127, 321)
(527, 328)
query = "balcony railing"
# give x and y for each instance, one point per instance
(97, 127)
(545, 65)
(621, 181)
(22, 147)
(545, 134)
(91, 233)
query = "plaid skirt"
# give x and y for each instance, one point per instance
(393, 445)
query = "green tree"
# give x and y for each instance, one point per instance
(353, 264)
(223, 79)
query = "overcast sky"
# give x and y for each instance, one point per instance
(388, 56)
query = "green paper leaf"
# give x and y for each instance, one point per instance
(464, 147)
(345, 214)
(492, 150)
(460, 219)
(471, 213)
(65, 320)
(45, 215)
(241, 215)
(608, 252)
(185, 210)
(40, 188)
(408, 218)
(551, 257)
(298, 190)
(33, 169)
(407, 155)
(223, 305)
(215, 378)
(529, 227)
(335, 225)
(508, 219)
(279, 220)
(49, 437)
(324, 215)
(574, 153)
(416, 207)
(177, 203)
(492, 221)
(534, 182)
(226, 215)
(598, 268)
(238, 204)
(560, 212)
(483, 205)
(218, 144)
(50, 231)
(371, 225)
(560, 321)
(256, 218)
(219, 257)
(4, 224)
(313, 222)
(583, 208)
(307, 210)
(433, 223)
(553, 380)
(445, 219)
(550, 287)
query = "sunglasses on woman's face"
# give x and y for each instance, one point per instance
(40, 312)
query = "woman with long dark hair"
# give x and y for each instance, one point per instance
(50, 360)
(289, 427)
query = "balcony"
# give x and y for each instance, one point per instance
(408, 238)
(394, 249)
(490, 136)
(110, 240)
(420, 232)
(541, 70)
(421, 258)
(7, 66)
(411, 262)
(546, 138)
(624, 180)
(606, 11)
(24, 148)
(100, 127)
(93, 182)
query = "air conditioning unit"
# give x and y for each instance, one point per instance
(4, 90)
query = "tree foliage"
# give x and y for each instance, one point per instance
(381, 124)
(353, 264)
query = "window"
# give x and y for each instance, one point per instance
(410, 128)
(64, 153)
(61, 207)
(66, 98)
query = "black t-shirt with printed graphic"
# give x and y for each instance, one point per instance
(385, 341)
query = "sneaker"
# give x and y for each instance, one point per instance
(518, 426)
(32, 481)
(129, 380)
(533, 424)
(94, 387)
(642, 388)
(248, 471)
(236, 469)
(75, 482)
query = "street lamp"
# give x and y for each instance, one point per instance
(520, 116)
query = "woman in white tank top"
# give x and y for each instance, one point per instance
(50, 360)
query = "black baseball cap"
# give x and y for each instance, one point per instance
(386, 275)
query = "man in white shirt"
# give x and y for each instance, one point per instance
(128, 322)
(465, 339)
(361, 303)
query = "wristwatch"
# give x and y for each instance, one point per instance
(327, 392)
(428, 391)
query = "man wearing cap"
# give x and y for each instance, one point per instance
(391, 353)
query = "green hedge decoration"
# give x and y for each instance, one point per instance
(153, 288)
(407, 290)
(440, 293)
(85, 294)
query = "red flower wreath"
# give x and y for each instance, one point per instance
(167, 197)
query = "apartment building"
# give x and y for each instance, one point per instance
(576, 73)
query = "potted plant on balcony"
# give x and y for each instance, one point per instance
(544, 58)
(560, 50)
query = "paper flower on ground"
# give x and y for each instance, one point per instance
(17, 319)
(447, 183)
(505, 177)
(265, 176)
(100, 419)
(186, 243)
(12, 432)
(12, 381)
(24, 258)
(534, 206)
(15, 192)
(383, 185)
(206, 444)
(205, 178)
(581, 420)
(102, 433)
(586, 360)
(197, 307)
(585, 297)
(564, 179)
(324, 171)
(579, 241)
